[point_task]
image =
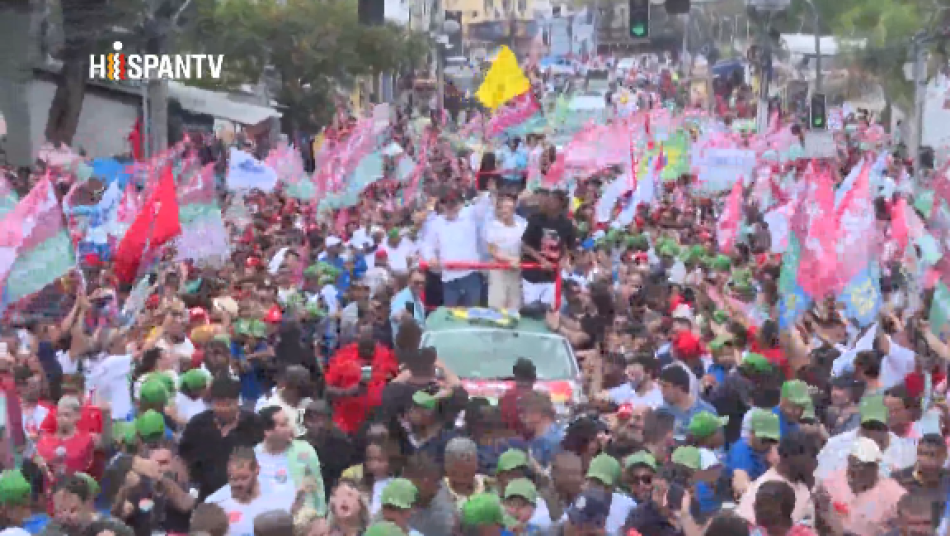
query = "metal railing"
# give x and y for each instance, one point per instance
(462, 265)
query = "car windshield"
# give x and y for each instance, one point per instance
(490, 353)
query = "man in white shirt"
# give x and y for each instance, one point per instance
(503, 237)
(641, 388)
(400, 251)
(453, 237)
(245, 498)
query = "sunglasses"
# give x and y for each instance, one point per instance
(646, 480)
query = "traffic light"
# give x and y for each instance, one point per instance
(371, 12)
(818, 119)
(640, 19)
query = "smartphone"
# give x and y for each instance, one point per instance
(366, 373)
(411, 308)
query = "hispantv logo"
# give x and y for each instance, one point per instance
(119, 66)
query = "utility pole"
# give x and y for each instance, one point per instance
(817, 31)
(920, 92)
(437, 21)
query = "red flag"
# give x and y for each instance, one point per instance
(728, 226)
(154, 226)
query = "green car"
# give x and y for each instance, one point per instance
(481, 346)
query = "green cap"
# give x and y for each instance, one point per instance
(809, 411)
(482, 510)
(393, 233)
(164, 378)
(873, 409)
(384, 528)
(720, 316)
(765, 424)
(124, 431)
(221, 337)
(705, 424)
(424, 400)
(524, 488)
(150, 425)
(91, 482)
(720, 341)
(796, 392)
(669, 249)
(721, 263)
(153, 392)
(399, 493)
(688, 457)
(511, 459)
(640, 458)
(605, 469)
(311, 271)
(756, 363)
(14, 488)
(194, 380)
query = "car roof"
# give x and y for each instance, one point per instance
(440, 321)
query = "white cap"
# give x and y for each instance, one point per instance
(683, 312)
(866, 451)
(332, 241)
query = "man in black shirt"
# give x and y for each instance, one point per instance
(211, 435)
(548, 236)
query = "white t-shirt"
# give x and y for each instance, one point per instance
(69, 366)
(188, 408)
(32, 420)
(275, 472)
(625, 394)
(14, 531)
(241, 516)
(110, 378)
(184, 348)
(398, 256)
(507, 238)
(620, 507)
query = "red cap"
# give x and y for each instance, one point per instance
(687, 346)
(152, 301)
(252, 262)
(274, 315)
(93, 259)
(625, 411)
(381, 254)
(197, 313)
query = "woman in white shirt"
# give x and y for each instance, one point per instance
(503, 237)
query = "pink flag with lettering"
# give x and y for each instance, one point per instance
(855, 228)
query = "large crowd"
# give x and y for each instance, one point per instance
(289, 391)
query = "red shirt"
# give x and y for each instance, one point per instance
(77, 451)
(510, 414)
(343, 372)
(90, 421)
(775, 355)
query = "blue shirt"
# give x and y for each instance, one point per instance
(683, 417)
(742, 457)
(545, 446)
(785, 426)
(251, 388)
(398, 304)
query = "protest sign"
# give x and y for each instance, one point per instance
(718, 169)
(247, 173)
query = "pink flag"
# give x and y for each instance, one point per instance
(818, 252)
(855, 228)
(519, 110)
(35, 219)
(728, 226)
(899, 230)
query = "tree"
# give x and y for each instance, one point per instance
(315, 48)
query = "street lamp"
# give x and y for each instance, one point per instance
(817, 31)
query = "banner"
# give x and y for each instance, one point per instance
(718, 169)
(247, 173)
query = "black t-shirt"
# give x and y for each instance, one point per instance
(549, 236)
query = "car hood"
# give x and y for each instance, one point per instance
(561, 391)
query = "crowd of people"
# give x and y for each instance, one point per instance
(288, 392)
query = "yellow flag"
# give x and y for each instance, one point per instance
(504, 81)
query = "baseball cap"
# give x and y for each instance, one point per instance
(705, 424)
(511, 459)
(524, 488)
(873, 409)
(384, 528)
(194, 379)
(14, 488)
(756, 363)
(483, 509)
(640, 458)
(91, 482)
(332, 241)
(590, 509)
(424, 400)
(150, 425)
(399, 493)
(153, 392)
(687, 456)
(164, 378)
(605, 469)
(796, 392)
(125, 432)
(765, 424)
(720, 341)
(866, 450)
